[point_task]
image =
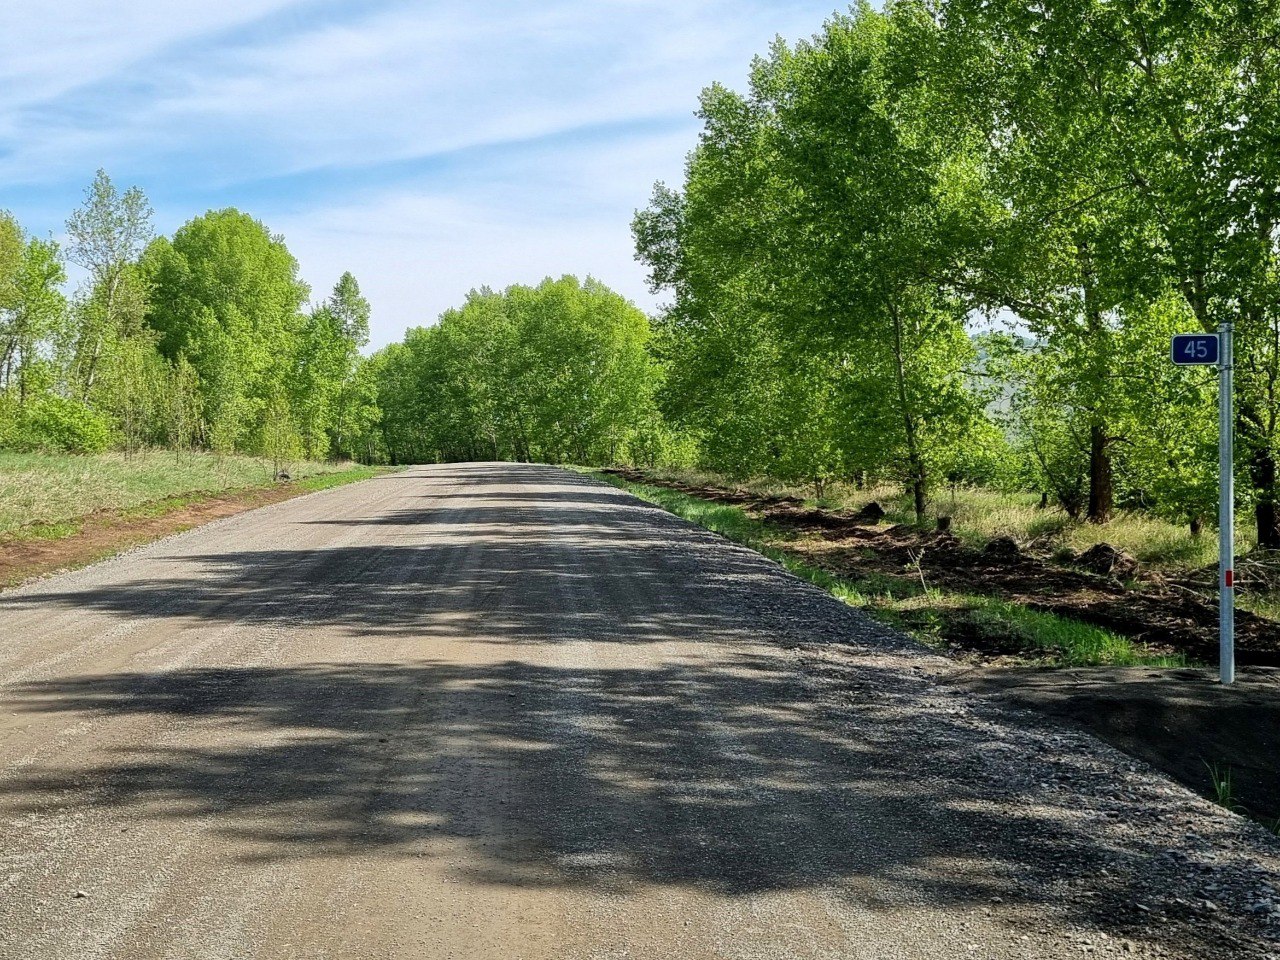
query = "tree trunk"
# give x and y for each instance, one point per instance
(1263, 474)
(8, 366)
(915, 463)
(1101, 493)
(1099, 337)
(92, 372)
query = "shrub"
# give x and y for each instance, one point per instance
(58, 423)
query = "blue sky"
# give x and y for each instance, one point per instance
(429, 146)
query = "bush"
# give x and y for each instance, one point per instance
(56, 423)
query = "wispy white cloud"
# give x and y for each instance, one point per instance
(485, 142)
(47, 50)
(402, 81)
(418, 249)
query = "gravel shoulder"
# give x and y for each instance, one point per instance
(1182, 722)
(490, 710)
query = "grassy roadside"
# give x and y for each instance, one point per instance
(49, 496)
(340, 476)
(935, 617)
(82, 510)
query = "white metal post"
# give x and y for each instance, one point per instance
(1226, 507)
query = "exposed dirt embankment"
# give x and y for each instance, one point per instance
(1161, 613)
(1181, 721)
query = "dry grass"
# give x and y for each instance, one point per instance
(979, 515)
(1263, 604)
(1155, 542)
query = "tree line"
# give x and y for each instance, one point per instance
(207, 340)
(949, 241)
(202, 340)
(944, 242)
(554, 373)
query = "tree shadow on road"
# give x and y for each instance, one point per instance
(584, 560)
(736, 778)
(766, 764)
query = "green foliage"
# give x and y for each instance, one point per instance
(1066, 642)
(814, 332)
(225, 295)
(1147, 130)
(11, 242)
(331, 403)
(53, 423)
(132, 389)
(280, 440)
(106, 236)
(182, 407)
(1223, 787)
(32, 309)
(196, 341)
(558, 372)
(1093, 176)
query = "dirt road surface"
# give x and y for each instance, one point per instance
(500, 711)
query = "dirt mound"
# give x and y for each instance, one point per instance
(1005, 548)
(818, 519)
(1107, 561)
(1168, 617)
(871, 513)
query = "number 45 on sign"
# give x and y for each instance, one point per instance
(1195, 349)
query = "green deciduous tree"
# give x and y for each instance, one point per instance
(326, 397)
(33, 311)
(1172, 108)
(182, 407)
(817, 326)
(105, 237)
(227, 298)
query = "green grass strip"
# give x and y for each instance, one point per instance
(325, 481)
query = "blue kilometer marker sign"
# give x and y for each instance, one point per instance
(1195, 349)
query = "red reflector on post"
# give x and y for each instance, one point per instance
(1231, 578)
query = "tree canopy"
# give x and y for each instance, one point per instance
(855, 230)
(556, 372)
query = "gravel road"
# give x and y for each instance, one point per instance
(502, 711)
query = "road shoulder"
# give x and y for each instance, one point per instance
(108, 533)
